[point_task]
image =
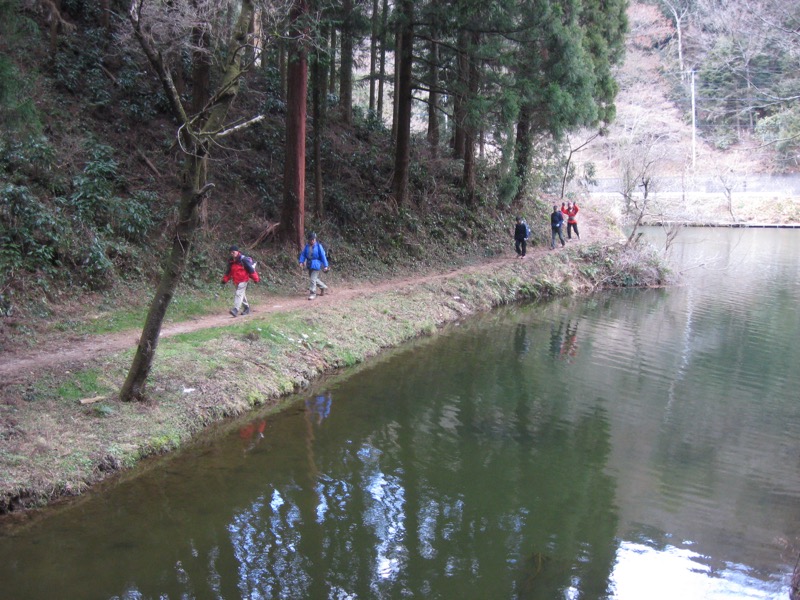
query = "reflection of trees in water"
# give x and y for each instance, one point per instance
(440, 500)
(488, 488)
(522, 343)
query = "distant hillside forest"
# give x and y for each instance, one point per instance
(133, 128)
(734, 66)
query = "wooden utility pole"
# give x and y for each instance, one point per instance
(694, 127)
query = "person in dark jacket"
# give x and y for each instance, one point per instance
(520, 237)
(240, 270)
(556, 222)
(313, 258)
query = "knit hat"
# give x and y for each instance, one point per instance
(234, 249)
(311, 236)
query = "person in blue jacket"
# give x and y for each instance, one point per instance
(313, 258)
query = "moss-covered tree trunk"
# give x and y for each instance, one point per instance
(188, 217)
(196, 140)
(522, 152)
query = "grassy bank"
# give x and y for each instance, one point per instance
(55, 446)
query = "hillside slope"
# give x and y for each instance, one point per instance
(646, 106)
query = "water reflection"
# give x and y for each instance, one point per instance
(643, 571)
(396, 527)
(461, 496)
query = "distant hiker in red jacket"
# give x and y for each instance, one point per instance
(241, 270)
(571, 210)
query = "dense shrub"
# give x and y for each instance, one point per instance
(83, 236)
(30, 233)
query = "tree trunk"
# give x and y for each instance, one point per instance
(346, 68)
(471, 120)
(433, 100)
(332, 68)
(373, 54)
(398, 51)
(282, 74)
(56, 24)
(201, 68)
(105, 12)
(459, 96)
(193, 188)
(382, 68)
(403, 94)
(522, 154)
(188, 218)
(294, 171)
(319, 83)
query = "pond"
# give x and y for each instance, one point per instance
(635, 444)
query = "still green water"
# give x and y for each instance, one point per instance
(641, 444)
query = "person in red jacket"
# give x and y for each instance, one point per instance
(571, 211)
(241, 270)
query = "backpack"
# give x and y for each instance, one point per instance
(249, 264)
(527, 230)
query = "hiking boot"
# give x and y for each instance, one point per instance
(322, 291)
(234, 312)
(246, 310)
(312, 296)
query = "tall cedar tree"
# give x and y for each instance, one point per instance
(294, 170)
(319, 75)
(403, 141)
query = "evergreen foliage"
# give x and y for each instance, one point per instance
(534, 67)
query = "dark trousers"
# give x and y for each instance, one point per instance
(556, 232)
(570, 228)
(520, 246)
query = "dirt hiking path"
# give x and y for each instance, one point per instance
(18, 366)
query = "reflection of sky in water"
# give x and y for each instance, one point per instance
(386, 517)
(644, 572)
